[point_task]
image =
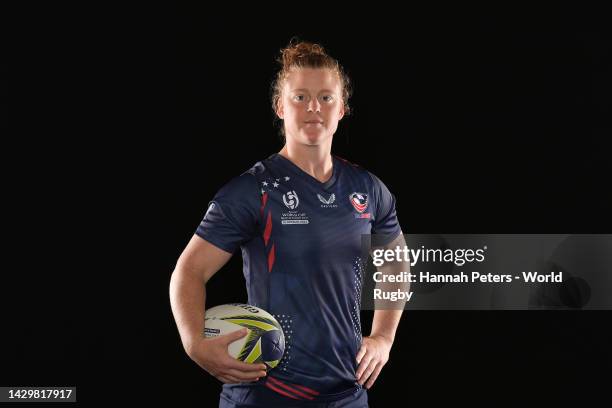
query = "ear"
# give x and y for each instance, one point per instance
(279, 109)
(341, 112)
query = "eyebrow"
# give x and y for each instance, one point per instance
(306, 90)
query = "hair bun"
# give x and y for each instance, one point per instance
(301, 53)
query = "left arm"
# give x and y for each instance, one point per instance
(374, 351)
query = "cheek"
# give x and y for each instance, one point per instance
(291, 112)
(333, 111)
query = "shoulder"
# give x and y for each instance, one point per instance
(245, 183)
(352, 169)
(357, 170)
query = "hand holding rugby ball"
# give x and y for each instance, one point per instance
(264, 342)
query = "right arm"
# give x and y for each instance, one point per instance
(197, 264)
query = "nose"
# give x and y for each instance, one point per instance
(314, 104)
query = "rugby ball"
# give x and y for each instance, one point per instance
(264, 341)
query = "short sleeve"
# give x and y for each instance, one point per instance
(385, 217)
(232, 216)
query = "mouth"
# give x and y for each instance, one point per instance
(314, 122)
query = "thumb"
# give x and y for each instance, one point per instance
(235, 335)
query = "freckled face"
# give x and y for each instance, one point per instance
(311, 105)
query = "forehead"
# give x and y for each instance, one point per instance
(312, 79)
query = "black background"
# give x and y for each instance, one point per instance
(479, 121)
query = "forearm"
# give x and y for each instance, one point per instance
(187, 298)
(385, 323)
(388, 313)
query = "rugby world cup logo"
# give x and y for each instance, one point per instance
(291, 200)
(359, 201)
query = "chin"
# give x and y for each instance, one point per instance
(314, 139)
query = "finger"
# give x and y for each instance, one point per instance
(374, 375)
(228, 379)
(365, 362)
(361, 353)
(242, 366)
(368, 372)
(235, 335)
(245, 376)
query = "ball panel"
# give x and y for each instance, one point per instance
(251, 323)
(255, 353)
(272, 364)
(273, 345)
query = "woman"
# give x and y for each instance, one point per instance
(298, 217)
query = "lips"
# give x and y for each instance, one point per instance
(314, 122)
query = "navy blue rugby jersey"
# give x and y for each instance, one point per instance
(302, 261)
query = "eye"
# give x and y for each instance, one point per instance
(328, 98)
(299, 98)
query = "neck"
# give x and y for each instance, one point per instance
(314, 160)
